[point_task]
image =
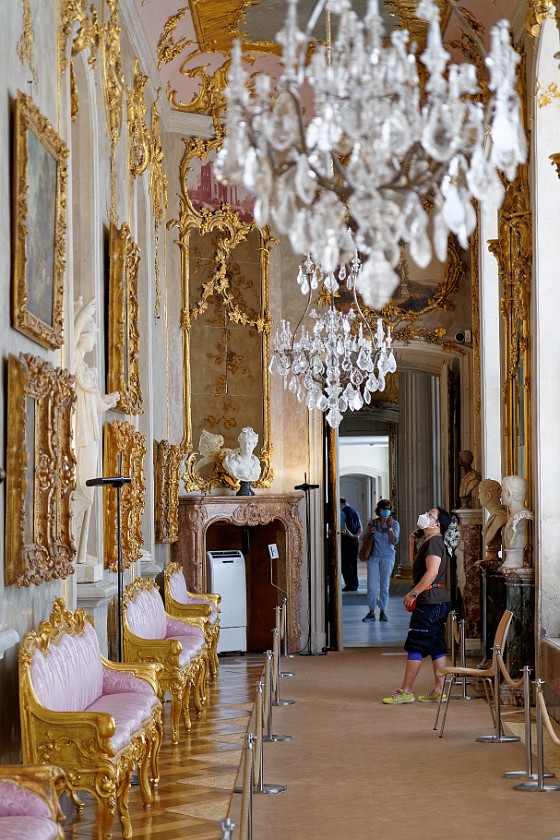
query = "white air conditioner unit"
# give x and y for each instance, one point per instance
(226, 576)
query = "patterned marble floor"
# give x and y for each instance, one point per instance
(197, 776)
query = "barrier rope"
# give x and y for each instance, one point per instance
(258, 731)
(267, 693)
(515, 684)
(245, 828)
(546, 719)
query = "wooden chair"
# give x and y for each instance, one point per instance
(491, 681)
(151, 635)
(181, 603)
(97, 719)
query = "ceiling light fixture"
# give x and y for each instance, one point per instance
(373, 142)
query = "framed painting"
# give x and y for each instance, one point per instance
(123, 337)
(41, 472)
(40, 178)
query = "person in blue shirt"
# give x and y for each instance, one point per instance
(384, 532)
(350, 530)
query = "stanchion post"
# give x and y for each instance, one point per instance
(528, 772)
(260, 786)
(246, 825)
(276, 671)
(269, 737)
(227, 827)
(539, 786)
(498, 737)
(278, 611)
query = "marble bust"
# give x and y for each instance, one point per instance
(240, 463)
(471, 478)
(90, 402)
(489, 496)
(209, 447)
(514, 535)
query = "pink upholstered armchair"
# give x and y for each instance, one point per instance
(150, 635)
(29, 806)
(181, 603)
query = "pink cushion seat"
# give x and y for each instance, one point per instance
(130, 710)
(191, 648)
(27, 828)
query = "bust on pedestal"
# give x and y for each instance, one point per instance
(514, 535)
(470, 480)
(489, 495)
(241, 464)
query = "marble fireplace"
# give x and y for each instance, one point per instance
(248, 523)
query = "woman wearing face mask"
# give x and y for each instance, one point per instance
(384, 532)
(426, 635)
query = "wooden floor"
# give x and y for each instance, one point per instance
(198, 775)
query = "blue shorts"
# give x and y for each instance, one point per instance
(426, 634)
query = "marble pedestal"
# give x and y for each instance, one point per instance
(493, 603)
(468, 554)
(94, 598)
(520, 599)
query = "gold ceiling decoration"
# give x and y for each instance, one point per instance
(24, 47)
(139, 146)
(167, 48)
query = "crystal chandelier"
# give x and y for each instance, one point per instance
(332, 366)
(350, 139)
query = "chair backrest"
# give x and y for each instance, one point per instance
(503, 629)
(62, 661)
(176, 583)
(143, 609)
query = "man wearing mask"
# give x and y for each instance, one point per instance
(350, 530)
(384, 534)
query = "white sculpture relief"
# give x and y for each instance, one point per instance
(90, 403)
(514, 535)
(209, 445)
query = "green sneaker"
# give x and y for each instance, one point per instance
(432, 697)
(398, 697)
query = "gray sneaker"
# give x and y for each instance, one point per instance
(369, 617)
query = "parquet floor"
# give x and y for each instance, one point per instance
(197, 776)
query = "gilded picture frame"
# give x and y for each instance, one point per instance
(123, 336)
(40, 473)
(123, 448)
(225, 277)
(40, 198)
(167, 466)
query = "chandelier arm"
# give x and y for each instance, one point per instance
(362, 316)
(305, 311)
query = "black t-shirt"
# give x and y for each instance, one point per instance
(436, 546)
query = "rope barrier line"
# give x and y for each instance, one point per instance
(246, 825)
(542, 718)
(546, 719)
(515, 684)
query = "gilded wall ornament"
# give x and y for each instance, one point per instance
(40, 183)
(123, 373)
(113, 81)
(139, 146)
(41, 472)
(537, 13)
(167, 47)
(24, 47)
(79, 22)
(123, 448)
(167, 463)
(158, 191)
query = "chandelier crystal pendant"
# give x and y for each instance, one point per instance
(370, 142)
(332, 366)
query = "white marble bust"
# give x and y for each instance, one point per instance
(90, 402)
(489, 496)
(209, 445)
(241, 463)
(514, 535)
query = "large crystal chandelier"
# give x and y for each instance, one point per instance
(350, 139)
(332, 366)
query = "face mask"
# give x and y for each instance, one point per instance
(423, 521)
(385, 513)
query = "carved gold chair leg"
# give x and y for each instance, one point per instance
(186, 698)
(176, 703)
(122, 804)
(154, 753)
(144, 778)
(107, 806)
(197, 689)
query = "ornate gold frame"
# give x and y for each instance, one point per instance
(121, 439)
(122, 369)
(41, 472)
(49, 247)
(227, 232)
(514, 252)
(167, 465)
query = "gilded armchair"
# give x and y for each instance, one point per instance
(96, 719)
(29, 802)
(181, 603)
(151, 635)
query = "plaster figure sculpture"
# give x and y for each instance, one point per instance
(209, 445)
(514, 535)
(241, 464)
(90, 403)
(471, 478)
(489, 496)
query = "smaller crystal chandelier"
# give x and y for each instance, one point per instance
(331, 366)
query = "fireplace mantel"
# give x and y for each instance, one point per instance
(197, 514)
